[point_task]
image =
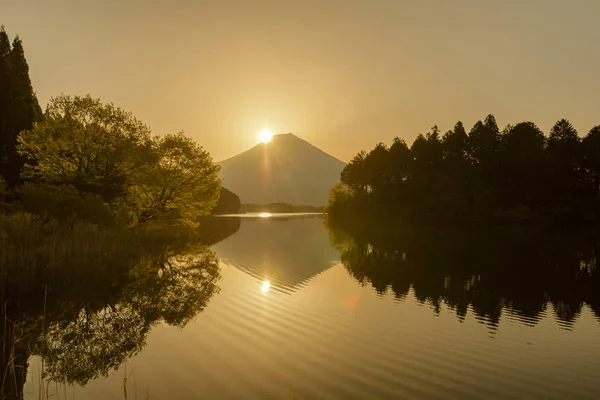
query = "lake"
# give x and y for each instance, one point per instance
(300, 312)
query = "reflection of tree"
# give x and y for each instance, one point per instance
(488, 273)
(179, 290)
(94, 342)
(213, 230)
(95, 307)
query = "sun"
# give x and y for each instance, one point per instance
(265, 135)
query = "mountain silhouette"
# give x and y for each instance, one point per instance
(287, 169)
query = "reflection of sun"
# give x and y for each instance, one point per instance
(264, 215)
(265, 135)
(265, 286)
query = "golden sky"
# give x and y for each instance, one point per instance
(342, 74)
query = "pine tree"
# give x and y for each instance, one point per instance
(4, 96)
(19, 113)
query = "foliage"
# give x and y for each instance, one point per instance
(183, 184)
(102, 152)
(515, 176)
(64, 204)
(97, 148)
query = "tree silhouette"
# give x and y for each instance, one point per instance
(487, 176)
(19, 107)
(591, 161)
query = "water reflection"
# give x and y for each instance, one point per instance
(265, 286)
(516, 274)
(288, 251)
(264, 215)
(86, 319)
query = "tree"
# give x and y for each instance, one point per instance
(400, 159)
(20, 107)
(591, 161)
(563, 152)
(101, 150)
(4, 99)
(524, 167)
(63, 204)
(184, 183)
(427, 150)
(488, 176)
(354, 173)
(376, 167)
(484, 139)
(454, 143)
(97, 148)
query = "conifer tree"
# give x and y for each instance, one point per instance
(19, 107)
(4, 96)
(24, 109)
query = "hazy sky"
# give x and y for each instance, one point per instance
(343, 75)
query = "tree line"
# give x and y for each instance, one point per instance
(85, 160)
(517, 174)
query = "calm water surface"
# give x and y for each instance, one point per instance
(291, 321)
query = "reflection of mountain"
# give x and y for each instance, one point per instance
(287, 252)
(285, 170)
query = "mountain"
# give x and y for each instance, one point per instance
(287, 169)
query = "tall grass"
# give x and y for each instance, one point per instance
(26, 250)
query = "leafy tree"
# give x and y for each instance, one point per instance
(97, 148)
(63, 204)
(183, 184)
(100, 150)
(354, 174)
(376, 170)
(400, 159)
